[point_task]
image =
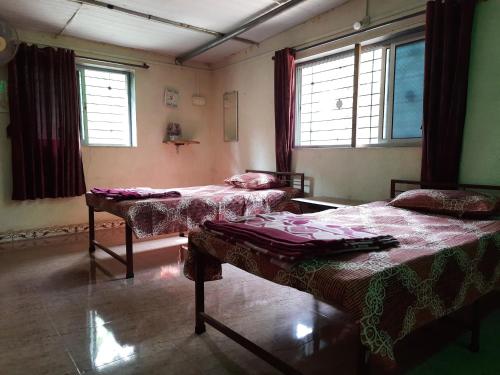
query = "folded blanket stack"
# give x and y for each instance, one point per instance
(293, 238)
(134, 193)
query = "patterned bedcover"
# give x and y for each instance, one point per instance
(151, 217)
(442, 264)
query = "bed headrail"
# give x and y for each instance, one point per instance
(398, 186)
(292, 179)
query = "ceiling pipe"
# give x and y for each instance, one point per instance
(150, 17)
(69, 21)
(356, 32)
(260, 18)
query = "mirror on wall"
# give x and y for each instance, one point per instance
(230, 107)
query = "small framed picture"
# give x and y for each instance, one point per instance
(171, 97)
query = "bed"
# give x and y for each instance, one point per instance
(442, 264)
(156, 216)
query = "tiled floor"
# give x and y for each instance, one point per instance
(63, 315)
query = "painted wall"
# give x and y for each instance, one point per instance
(152, 163)
(481, 147)
(362, 173)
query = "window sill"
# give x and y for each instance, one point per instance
(392, 144)
(319, 147)
(378, 145)
(109, 146)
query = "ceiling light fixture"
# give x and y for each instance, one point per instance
(358, 25)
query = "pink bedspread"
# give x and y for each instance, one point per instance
(119, 194)
(151, 217)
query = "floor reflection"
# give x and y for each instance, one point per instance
(104, 349)
(170, 272)
(301, 330)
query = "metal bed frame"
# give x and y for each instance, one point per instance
(427, 185)
(291, 179)
(202, 318)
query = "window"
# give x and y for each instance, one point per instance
(325, 105)
(106, 107)
(408, 90)
(389, 96)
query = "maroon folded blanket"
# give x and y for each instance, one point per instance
(292, 237)
(134, 193)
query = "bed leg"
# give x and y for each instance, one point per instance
(475, 328)
(199, 267)
(363, 360)
(129, 251)
(91, 230)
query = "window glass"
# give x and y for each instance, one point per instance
(370, 74)
(407, 111)
(389, 96)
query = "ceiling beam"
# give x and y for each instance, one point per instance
(150, 17)
(254, 21)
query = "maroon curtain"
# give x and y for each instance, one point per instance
(284, 107)
(45, 124)
(447, 50)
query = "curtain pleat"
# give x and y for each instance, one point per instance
(45, 124)
(284, 107)
(447, 50)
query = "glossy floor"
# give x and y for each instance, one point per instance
(63, 313)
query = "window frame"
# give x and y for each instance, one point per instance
(298, 95)
(388, 80)
(130, 76)
(386, 93)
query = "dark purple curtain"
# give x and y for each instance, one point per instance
(284, 107)
(45, 124)
(447, 50)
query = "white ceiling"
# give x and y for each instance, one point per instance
(110, 26)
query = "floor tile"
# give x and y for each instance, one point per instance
(65, 312)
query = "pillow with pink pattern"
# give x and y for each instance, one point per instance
(254, 181)
(460, 203)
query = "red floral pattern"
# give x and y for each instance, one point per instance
(458, 203)
(151, 217)
(442, 264)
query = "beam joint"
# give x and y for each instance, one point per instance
(257, 20)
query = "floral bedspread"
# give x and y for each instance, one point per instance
(151, 217)
(442, 264)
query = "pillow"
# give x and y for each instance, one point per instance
(254, 181)
(458, 203)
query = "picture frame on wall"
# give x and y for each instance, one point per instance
(230, 116)
(171, 97)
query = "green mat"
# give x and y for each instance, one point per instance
(456, 359)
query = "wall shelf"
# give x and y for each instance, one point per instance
(181, 142)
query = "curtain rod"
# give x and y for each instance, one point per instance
(142, 66)
(370, 28)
